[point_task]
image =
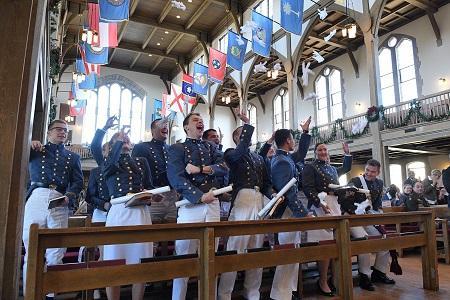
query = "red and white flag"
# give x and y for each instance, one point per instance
(175, 99)
(217, 65)
(165, 105)
(94, 68)
(93, 16)
(107, 35)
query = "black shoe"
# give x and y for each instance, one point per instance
(331, 285)
(322, 292)
(49, 298)
(378, 276)
(365, 283)
(296, 296)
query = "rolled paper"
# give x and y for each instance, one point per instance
(124, 199)
(337, 186)
(215, 193)
(274, 200)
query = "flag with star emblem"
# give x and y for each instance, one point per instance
(187, 86)
(200, 85)
(236, 50)
(114, 10)
(217, 65)
(292, 15)
(261, 34)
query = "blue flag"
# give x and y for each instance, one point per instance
(90, 83)
(236, 50)
(292, 15)
(114, 11)
(200, 85)
(186, 86)
(96, 55)
(261, 34)
(157, 105)
(79, 66)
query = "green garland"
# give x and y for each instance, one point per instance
(55, 67)
(52, 114)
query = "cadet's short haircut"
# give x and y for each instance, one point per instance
(281, 136)
(317, 145)
(373, 163)
(153, 124)
(56, 122)
(206, 133)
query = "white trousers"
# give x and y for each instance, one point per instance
(192, 213)
(246, 207)
(381, 258)
(286, 276)
(325, 234)
(119, 215)
(36, 211)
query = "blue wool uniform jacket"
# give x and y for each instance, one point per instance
(318, 174)
(283, 169)
(198, 153)
(59, 167)
(97, 192)
(125, 174)
(157, 155)
(247, 169)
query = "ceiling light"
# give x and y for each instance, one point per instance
(158, 44)
(178, 16)
(150, 55)
(190, 1)
(352, 31)
(166, 32)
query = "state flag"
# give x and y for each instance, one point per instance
(217, 65)
(114, 10)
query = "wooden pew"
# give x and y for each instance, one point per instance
(206, 266)
(441, 215)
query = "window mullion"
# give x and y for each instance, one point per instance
(327, 81)
(395, 74)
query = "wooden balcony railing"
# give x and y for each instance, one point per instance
(83, 151)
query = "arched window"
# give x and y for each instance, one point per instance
(265, 8)
(251, 113)
(395, 174)
(328, 87)
(419, 169)
(118, 96)
(281, 110)
(399, 71)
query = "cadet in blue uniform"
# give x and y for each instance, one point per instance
(124, 175)
(251, 185)
(54, 172)
(317, 175)
(368, 181)
(283, 169)
(97, 192)
(156, 154)
(193, 170)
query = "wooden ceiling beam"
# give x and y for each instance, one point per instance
(174, 42)
(331, 42)
(166, 26)
(138, 49)
(426, 5)
(151, 34)
(135, 60)
(197, 14)
(160, 59)
(165, 11)
(137, 69)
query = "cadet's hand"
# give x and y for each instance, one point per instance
(305, 125)
(220, 135)
(66, 200)
(107, 206)
(325, 208)
(37, 146)
(110, 123)
(191, 169)
(241, 115)
(157, 198)
(208, 197)
(346, 148)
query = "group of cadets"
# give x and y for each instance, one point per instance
(193, 169)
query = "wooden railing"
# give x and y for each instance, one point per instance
(327, 131)
(83, 151)
(430, 106)
(207, 265)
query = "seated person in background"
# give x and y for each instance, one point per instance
(430, 186)
(446, 181)
(411, 178)
(416, 198)
(407, 190)
(443, 196)
(392, 195)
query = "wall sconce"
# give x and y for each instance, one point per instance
(352, 31)
(228, 100)
(68, 119)
(269, 74)
(175, 127)
(357, 104)
(442, 80)
(274, 74)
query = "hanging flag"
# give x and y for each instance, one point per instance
(236, 50)
(157, 108)
(77, 108)
(217, 65)
(165, 105)
(107, 35)
(89, 83)
(292, 15)
(96, 55)
(114, 10)
(78, 92)
(83, 58)
(94, 68)
(261, 34)
(93, 16)
(175, 99)
(80, 66)
(186, 86)
(200, 85)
